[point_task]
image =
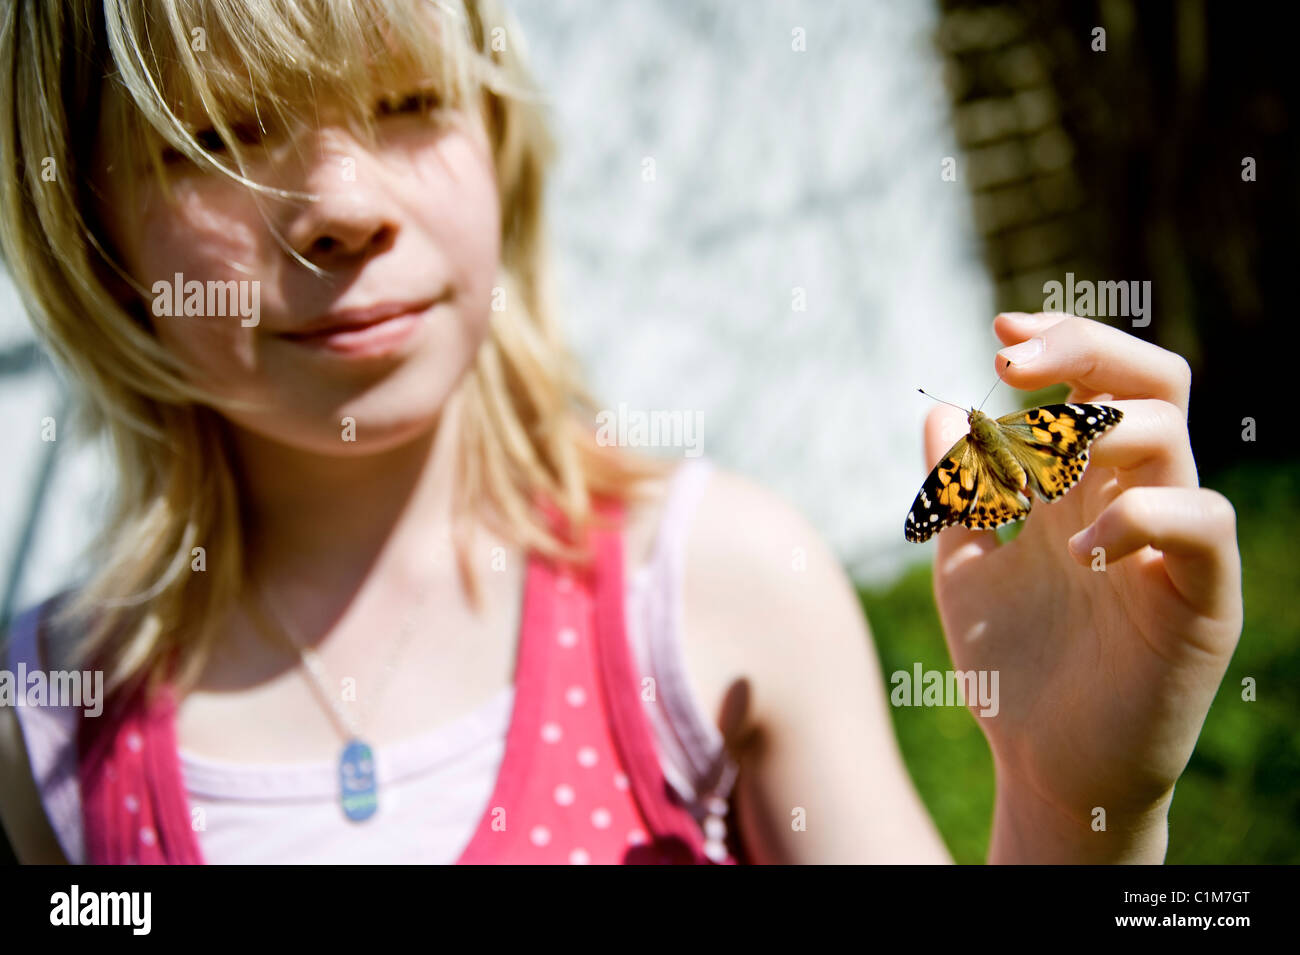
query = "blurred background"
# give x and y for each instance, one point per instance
(753, 223)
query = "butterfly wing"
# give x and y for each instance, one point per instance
(994, 503)
(942, 499)
(962, 490)
(1051, 443)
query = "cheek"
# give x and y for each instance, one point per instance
(208, 235)
(219, 351)
(460, 208)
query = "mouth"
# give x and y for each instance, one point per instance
(363, 332)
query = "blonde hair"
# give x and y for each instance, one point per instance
(527, 419)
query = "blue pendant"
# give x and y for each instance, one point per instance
(358, 786)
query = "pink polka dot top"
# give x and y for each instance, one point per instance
(580, 782)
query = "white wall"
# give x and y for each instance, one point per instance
(774, 169)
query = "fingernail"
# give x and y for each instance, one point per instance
(1023, 353)
(1081, 543)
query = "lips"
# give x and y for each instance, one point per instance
(374, 333)
(354, 319)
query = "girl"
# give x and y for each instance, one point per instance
(372, 590)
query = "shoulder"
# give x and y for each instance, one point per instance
(753, 565)
(732, 515)
(50, 645)
(21, 812)
(758, 570)
(743, 521)
(772, 616)
(643, 517)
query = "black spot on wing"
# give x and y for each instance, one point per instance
(929, 514)
(1054, 468)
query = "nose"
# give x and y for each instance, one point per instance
(351, 219)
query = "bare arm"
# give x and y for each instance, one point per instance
(818, 744)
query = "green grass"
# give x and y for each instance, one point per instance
(1239, 799)
(944, 749)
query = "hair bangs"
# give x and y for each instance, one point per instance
(206, 81)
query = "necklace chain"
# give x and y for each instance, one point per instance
(315, 667)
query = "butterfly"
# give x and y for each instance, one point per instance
(985, 478)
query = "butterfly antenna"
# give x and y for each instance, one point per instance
(995, 384)
(941, 401)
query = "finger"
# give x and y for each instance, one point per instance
(1194, 528)
(944, 426)
(1149, 447)
(1093, 358)
(1013, 327)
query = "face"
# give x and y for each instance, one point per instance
(407, 233)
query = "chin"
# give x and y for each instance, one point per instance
(305, 412)
(389, 414)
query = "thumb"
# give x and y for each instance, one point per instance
(944, 427)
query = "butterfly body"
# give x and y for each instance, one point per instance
(986, 479)
(987, 438)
